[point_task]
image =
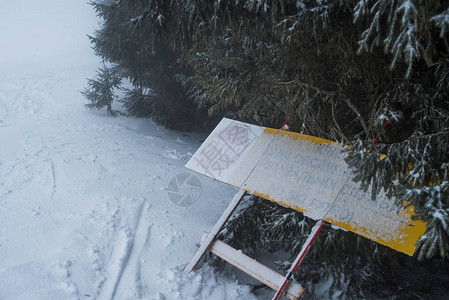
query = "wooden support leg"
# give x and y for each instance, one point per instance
(215, 231)
(254, 268)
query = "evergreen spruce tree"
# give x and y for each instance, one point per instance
(137, 36)
(373, 74)
(139, 102)
(100, 89)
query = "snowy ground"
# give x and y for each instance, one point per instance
(84, 211)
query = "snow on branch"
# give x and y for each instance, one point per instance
(402, 37)
(406, 44)
(442, 21)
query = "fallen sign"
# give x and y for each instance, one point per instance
(305, 173)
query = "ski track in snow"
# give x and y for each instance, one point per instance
(124, 259)
(84, 213)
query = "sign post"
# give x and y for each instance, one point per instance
(215, 231)
(307, 244)
(305, 173)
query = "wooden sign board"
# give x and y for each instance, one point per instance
(305, 173)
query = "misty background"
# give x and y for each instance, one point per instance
(46, 31)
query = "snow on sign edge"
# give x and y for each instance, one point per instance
(307, 174)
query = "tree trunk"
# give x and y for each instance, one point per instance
(110, 112)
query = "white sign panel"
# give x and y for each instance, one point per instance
(305, 173)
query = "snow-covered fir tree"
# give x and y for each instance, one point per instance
(100, 89)
(135, 36)
(370, 74)
(138, 102)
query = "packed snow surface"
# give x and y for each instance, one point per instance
(84, 210)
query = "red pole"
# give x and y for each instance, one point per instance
(285, 123)
(378, 135)
(313, 234)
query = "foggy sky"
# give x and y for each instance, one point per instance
(36, 30)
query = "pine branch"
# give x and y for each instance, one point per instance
(336, 123)
(424, 136)
(301, 84)
(359, 116)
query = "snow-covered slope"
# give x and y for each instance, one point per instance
(84, 211)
